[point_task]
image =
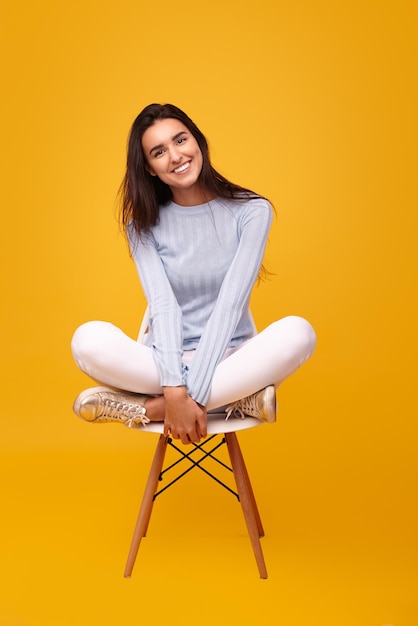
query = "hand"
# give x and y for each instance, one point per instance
(184, 418)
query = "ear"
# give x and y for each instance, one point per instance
(150, 170)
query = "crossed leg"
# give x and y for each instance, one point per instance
(109, 356)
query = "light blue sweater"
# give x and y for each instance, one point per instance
(197, 267)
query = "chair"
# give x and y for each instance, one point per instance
(220, 433)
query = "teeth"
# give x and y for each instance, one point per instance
(182, 168)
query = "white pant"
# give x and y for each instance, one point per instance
(105, 353)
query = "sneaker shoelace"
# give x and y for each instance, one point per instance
(246, 407)
(129, 414)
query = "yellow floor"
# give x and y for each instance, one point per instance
(67, 522)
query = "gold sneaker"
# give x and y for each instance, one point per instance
(261, 405)
(101, 404)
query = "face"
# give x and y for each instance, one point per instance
(173, 154)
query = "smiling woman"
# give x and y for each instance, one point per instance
(198, 242)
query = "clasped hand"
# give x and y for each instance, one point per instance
(184, 418)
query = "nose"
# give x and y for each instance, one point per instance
(175, 154)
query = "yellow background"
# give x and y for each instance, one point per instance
(313, 104)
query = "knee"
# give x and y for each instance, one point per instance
(299, 332)
(85, 341)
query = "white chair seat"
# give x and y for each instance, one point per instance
(216, 424)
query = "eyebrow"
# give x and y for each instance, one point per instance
(161, 145)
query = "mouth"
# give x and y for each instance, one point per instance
(182, 168)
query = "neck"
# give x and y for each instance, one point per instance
(192, 196)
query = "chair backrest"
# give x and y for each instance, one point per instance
(144, 326)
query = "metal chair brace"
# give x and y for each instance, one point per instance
(197, 464)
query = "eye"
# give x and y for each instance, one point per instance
(181, 140)
(158, 153)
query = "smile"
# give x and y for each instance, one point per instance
(182, 168)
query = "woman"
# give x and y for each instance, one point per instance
(197, 241)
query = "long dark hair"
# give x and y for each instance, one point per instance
(141, 194)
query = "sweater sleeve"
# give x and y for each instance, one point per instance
(254, 225)
(165, 313)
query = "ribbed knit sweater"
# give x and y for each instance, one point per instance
(197, 267)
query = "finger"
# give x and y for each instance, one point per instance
(171, 432)
(196, 436)
(202, 427)
(191, 436)
(185, 438)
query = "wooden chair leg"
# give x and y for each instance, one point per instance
(147, 504)
(247, 500)
(250, 492)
